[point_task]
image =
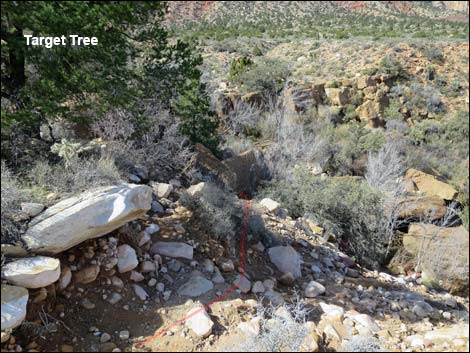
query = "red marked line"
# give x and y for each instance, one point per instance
(219, 298)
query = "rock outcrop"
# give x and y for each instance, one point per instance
(442, 254)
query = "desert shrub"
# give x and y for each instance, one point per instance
(384, 168)
(350, 113)
(238, 67)
(359, 343)
(12, 196)
(74, 176)
(257, 51)
(282, 329)
(389, 65)
(217, 209)
(418, 98)
(345, 206)
(392, 112)
(266, 76)
(434, 54)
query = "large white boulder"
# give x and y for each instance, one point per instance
(286, 259)
(32, 272)
(14, 301)
(86, 216)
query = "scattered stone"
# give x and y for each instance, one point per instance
(257, 287)
(114, 298)
(175, 266)
(242, 283)
(124, 335)
(196, 286)
(32, 272)
(14, 300)
(269, 204)
(157, 208)
(11, 250)
(152, 229)
(332, 310)
(136, 276)
(226, 265)
(117, 282)
(127, 258)
(105, 337)
(140, 292)
(87, 304)
(65, 278)
(286, 259)
(40, 295)
(250, 328)
(32, 209)
(314, 289)
(217, 278)
(208, 266)
(148, 266)
(160, 287)
(162, 190)
(195, 190)
(87, 274)
(173, 249)
(199, 322)
(422, 309)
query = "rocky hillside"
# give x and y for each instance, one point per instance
(237, 176)
(181, 11)
(160, 283)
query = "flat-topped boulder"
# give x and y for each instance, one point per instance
(86, 216)
(430, 185)
(32, 272)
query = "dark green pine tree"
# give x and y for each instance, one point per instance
(196, 118)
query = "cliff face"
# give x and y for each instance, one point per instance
(189, 11)
(459, 6)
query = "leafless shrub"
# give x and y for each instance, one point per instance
(243, 118)
(115, 125)
(161, 149)
(384, 169)
(282, 329)
(12, 195)
(220, 211)
(293, 143)
(237, 145)
(80, 174)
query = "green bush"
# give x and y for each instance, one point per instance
(266, 76)
(345, 206)
(238, 67)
